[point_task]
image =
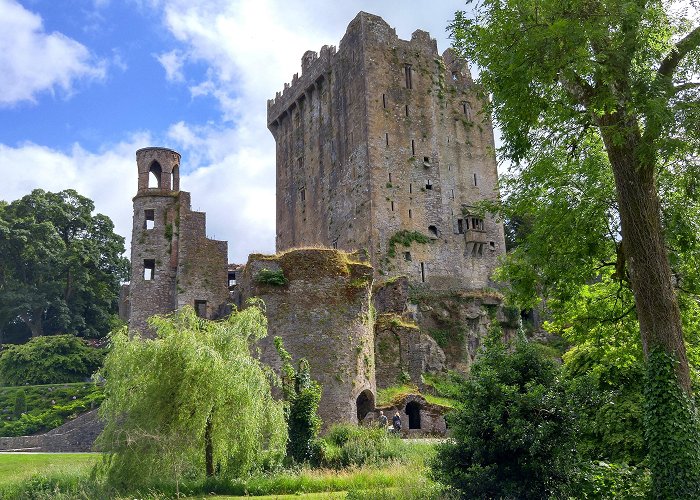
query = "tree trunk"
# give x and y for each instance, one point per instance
(645, 250)
(34, 322)
(209, 448)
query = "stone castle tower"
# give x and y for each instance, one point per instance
(381, 145)
(173, 263)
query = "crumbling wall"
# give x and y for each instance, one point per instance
(323, 313)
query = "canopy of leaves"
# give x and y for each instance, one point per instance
(61, 266)
(513, 433)
(197, 377)
(49, 360)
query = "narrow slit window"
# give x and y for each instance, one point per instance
(384, 100)
(407, 73)
(407, 110)
(149, 269)
(422, 272)
(460, 226)
(386, 139)
(150, 219)
(413, 147)
(200, 307)
(410, 188)
(410, 214)
(452, 193)
(407, 256)
(475, 179)
(389, 177)
(302, 194)
(392, 206)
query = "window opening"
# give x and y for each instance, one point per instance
(406, 109)
(149, 269)
(150, 219)
(231, 278)
(480, 251)
(200, 307)
(410, 188)
(175, 185)
(413, 412)
(407, 256)
(389, 176)
(460, 226)
(154, 173)
(452, 193)
(392, 206)
(410, 214)
(335, 244)
(455, 76)
(302, 193)
(428, 184)
(467, 110)
(492, 245)
(477, 224)
(407, 72)
(422, 272)
(433, 231)
(386, 138)
(426, 161)
(475, 178)
(384, 100)
(413, 147)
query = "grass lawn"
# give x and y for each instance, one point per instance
(15, 467)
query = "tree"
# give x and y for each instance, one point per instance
(61, 266)
(49, 360)
(302, 397)
(614, 77)
(191, 402)
(513, 432)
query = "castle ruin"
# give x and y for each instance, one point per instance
(383, 153)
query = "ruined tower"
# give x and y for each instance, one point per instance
(173, 263)
(382, 145)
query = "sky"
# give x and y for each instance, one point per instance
(85, 83)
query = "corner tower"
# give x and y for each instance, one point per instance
(173, 263)
(382, 145)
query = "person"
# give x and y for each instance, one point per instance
(396, 420)
(383, 421)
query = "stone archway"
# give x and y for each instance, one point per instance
(413, 412)
(365, 404)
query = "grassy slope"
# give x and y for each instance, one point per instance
(16, 467)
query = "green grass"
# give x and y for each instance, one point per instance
(67, 476)
(18, 467)
(393, 395)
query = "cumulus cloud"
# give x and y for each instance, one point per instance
(172, 64)
(33, 61)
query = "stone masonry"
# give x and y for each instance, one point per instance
(382, 142)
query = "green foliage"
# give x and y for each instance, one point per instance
(302, 396)
(49, 360)
(447, 385)
(671, 427)
(20, 404)
(191, 397)
(269, 277)
(45, 407)
(347, 445)
(513, 433)
(61, 266)
(405, 238)
(602, 480)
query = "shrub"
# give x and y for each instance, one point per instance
(269, 277)
(347, 445)
(513, 433)
(49, 360)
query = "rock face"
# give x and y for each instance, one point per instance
(418, 417)
(382, 145)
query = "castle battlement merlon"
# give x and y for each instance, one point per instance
(314, 68)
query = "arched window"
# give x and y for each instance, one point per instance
(175, 184)
(433, 231)
(154, 175)
(413, 412)
(365, 404)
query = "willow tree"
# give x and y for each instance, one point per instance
(623, 73)
(190, 403)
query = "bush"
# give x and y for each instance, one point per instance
(513, 433)
(49, 360)
(269, 277)
(347, 445)
(603, 480)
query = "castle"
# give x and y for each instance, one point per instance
(383, 261)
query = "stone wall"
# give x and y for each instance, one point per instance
(427, 418)
(323, 313)
(383, 136)
(77, 435)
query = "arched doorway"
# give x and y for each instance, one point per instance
(365, 404)
(413, 412)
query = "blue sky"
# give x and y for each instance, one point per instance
(84, 83)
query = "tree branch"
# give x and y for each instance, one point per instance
(685, 45)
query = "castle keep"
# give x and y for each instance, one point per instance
(383, 154)
(382, 143)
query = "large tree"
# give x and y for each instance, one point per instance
(189, 403)
(617, 77)
(60, 266)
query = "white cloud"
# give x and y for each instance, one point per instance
(33, 61)
(172, 63)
